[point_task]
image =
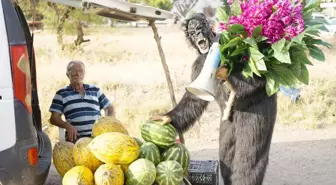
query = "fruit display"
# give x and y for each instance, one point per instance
(151, 152)
(78, 175)
(178, 153)
(141, 172)
(115, 147)
(109, 174)
(113, 157)
(82, 154)
(107, 124)
(169, 172)
(163, 136)
(62, 157)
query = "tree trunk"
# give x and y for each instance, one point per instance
(80, 34)
(164, 64)
(60, 25)
(166, 70)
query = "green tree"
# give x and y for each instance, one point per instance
(63, 19)
(162, 4)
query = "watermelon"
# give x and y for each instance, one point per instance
(141, 172)
(138, 141)
(161, 135)
(169, 173)
(151, 152)
(178, 153)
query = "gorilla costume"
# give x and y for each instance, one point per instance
(245, 138)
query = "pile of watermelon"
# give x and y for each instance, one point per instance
(112, 157)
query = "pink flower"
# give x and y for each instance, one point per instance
(279, 18)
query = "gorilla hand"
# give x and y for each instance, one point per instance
(165, 119)
(223, 73)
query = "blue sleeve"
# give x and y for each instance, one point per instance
(57, 104)
(104, 102)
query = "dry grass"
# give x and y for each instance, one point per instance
(317, 104)
(125, 63)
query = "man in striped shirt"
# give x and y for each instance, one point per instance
(80, 103)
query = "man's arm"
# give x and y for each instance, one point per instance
(56, 110)
(105, 104)
(109, 111)
(56, 119)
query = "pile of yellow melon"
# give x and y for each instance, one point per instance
(101, 159)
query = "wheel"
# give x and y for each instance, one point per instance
(44, 161)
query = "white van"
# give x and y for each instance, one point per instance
(25, 151)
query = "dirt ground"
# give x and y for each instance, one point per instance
(298, 156)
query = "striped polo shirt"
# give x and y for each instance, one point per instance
(80, 111)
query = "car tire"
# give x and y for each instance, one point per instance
(45, 154)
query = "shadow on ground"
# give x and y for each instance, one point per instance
(295, 163)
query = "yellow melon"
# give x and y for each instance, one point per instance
(109, 174)
(124, 167)
(62, 157)
(107, 124)
(115, 147)
(82, 154)
(78, 175)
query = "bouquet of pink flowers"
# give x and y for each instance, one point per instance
(271, 39)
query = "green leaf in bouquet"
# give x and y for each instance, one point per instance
(316, 53)
(236, 28)
(247, 71)
(312, 33)
(256, 32)
(321, 42)
(279, 45)
(298, 55)
(299, 38)
(282, 56)
(263, 38)
(223, 59)
(258, 59)
(253, 66)
(307, 14)
(235, 9)
(274, 61)
(309, 8)
(221, 14)
(288, 45)
(316, 25)
(300, 71)
(286, 76)
(231, 43)
(240, 50)
(272, 83)
(224, 37)
(251, 42)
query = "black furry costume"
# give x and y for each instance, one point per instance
(244, 139)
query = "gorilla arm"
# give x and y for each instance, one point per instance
(190, 108)
(223, 74)
(239, 87)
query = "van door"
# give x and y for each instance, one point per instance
(7, 115)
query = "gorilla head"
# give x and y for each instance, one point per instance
(199, 32)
